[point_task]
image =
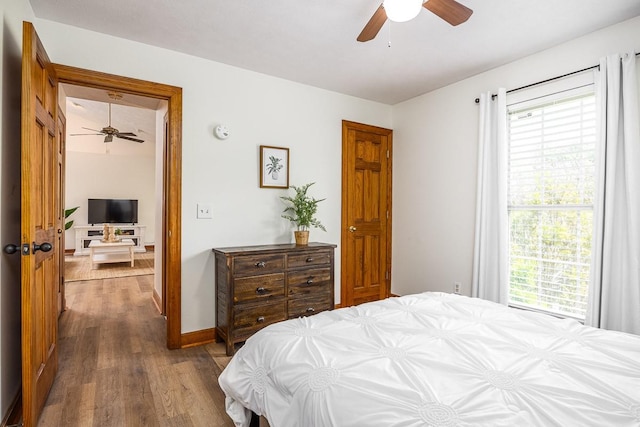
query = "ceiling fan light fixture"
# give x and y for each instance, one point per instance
(402, 10)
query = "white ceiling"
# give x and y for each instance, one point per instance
(314, 42)
(87, 109)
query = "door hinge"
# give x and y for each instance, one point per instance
(386, 275)
(387, 154)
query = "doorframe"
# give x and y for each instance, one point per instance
(172, 181)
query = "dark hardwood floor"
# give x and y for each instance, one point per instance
(115, 369)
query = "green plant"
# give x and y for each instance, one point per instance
(67, 214)
(275, 165)
(117, 232)
(303, 209)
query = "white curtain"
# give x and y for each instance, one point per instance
(614, 296)
(490, 257)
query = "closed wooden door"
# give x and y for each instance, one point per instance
(366, 213)
(41, 213)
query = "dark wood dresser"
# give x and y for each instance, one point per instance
(260, 285)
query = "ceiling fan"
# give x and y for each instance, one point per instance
(449, 10)
(109, 132)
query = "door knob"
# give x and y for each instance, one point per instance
(352, 229)
(12, 249)
(45, 247)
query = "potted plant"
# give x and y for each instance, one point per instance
(274, 167)
(302, 212)
(67, 214)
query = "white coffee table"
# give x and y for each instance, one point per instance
(104, 252)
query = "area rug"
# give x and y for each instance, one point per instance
(78, 268)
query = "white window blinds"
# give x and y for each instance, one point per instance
(550, 201)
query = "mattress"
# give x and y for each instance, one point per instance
(435, 359)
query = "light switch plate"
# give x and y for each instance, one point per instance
(205, 211)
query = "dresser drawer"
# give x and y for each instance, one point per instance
(249, 319)
(251, 265)
(310, 258)
(255, 288)
(309, 281)
(299, 307)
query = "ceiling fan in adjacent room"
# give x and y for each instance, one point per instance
(404, 10)
(109, 132)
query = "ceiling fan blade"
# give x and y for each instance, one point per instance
(94, 130)
(127, 134)
(108, 138)
(119, 135)
(372, 28)
(83, 134)
(449, 10)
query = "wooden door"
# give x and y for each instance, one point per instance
(366, 213)
(41, 212)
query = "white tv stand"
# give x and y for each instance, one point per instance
(86, 233)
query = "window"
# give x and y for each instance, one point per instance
(550, 196)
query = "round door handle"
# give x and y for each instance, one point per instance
(44, 247)
(352, 229)
(261, 264)
(59, 230)
(260, 290)
(12, 249)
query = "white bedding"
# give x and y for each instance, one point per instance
(435, 359)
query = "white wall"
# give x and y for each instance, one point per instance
(12, 13)
(435, 161)
(259, 110)
(100, 176)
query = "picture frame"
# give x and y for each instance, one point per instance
(274, 167)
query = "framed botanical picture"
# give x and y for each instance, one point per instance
(274, 167)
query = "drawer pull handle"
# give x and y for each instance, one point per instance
(310, 310)
(260, 290)
(261, 264)
(260, 319)
(310, 282)
(309, 259)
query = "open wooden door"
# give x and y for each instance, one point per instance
(366, 213)
(41, 214)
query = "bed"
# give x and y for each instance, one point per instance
(434, 359)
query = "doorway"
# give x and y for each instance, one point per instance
(112, 174)
(170, 205)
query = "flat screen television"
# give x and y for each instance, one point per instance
(115, 211)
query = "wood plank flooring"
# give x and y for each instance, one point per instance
(115, 369)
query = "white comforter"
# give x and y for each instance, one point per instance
(435, 359)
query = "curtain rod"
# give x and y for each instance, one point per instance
(477, 100)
